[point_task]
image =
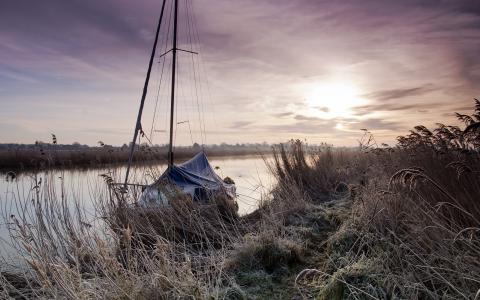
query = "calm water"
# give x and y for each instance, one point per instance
(249, 173)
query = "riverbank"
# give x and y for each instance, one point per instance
(377, 223)
(49, 156)
(338, 225)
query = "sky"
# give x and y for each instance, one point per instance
(267, 70)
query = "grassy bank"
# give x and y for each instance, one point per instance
(377, 223)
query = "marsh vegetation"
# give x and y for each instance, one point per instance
(398, 222)
(46, 156)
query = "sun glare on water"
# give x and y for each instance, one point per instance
(333, 100)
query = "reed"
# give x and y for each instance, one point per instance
(380, 222)
(413, 232)
(71, 255)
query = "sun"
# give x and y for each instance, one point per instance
(330, 100)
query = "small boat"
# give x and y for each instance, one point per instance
(195, 178)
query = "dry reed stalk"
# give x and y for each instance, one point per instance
(69, 259)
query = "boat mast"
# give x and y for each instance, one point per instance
(138, 125)
(172, 101)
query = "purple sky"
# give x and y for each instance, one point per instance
(271, 70)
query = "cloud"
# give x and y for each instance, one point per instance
(255, 56)
(69, 25)
(303, 127)
(282, 115)
(388, 95)
(240, 124)
(468, 108)
(323, 109)
(389, 107)
(306, 118)
(14, 133)
(376, 124)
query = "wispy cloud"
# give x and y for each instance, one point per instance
(419, 57)
(282, 115)
(240, 124)
(388, 95)
(375, 124)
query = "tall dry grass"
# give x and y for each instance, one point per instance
(321, 174)
(377, 223)
(414, 229)
(117, 250)
(76, 253)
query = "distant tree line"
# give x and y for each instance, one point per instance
(42, 155)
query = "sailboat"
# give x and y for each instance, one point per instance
(195, 178)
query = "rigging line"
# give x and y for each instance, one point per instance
(167, 38)
(189, 128)
(188, 51)
(182, 99)
(142, 134)
(201, 122)
(155, 88)
(156, 101)
(178, 98)
(187, 111)
(165, 53)
(174, 75)
(176, 109)
(144, 95)
(166, 110)
(182, 81)
(185, 98)
(169, 80)
(161, 76)
(195, 81)
(191, 74)
(178, 49)
(155, 96)
(189, 86)
(191, 136)
(200, 63)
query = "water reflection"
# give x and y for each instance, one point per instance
(85, 186)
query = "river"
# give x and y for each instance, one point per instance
(250, 174)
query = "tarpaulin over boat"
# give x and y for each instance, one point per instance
(195, 177)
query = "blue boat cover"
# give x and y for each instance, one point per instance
(197, 178)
